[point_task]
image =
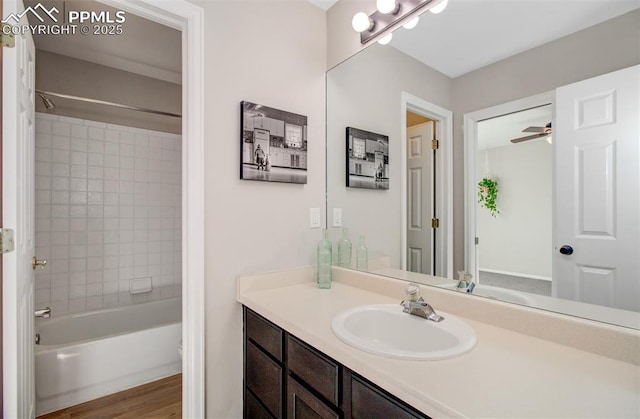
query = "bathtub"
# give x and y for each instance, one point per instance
(89, 355)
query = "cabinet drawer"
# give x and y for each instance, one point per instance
(317, 370)
(264, 333)
(263, 376)
(301, 404)
(369, 402)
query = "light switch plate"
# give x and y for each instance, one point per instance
(337, 217)
(314, 217)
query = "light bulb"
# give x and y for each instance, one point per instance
(550, 139)
(412, 23)
(439, 7)
(361, 22)
(386, 6)
(386, 39)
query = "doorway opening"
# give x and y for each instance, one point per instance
(514, 178)
(190, 241)
(427, 185)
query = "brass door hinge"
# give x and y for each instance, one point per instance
(7, 38)
(7, 243)
(434, 144)
(435, 222)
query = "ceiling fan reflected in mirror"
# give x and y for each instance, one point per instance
(540, 132)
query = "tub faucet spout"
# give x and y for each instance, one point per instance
(45, 313)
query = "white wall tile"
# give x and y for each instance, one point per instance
(108, 210)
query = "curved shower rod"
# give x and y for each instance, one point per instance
(43, 95)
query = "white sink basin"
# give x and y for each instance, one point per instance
(498, 293)
(385, 330)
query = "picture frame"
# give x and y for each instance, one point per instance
(273, 144)
(367, 159)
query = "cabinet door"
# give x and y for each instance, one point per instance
(369, 402)
(301, 404)
(263, 377)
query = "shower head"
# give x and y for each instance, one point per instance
(48, 103)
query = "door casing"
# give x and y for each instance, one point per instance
(444, 179)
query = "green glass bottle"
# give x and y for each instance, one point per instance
(324, 255)
(344, 249)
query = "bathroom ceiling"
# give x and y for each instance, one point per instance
(470, 34)
(145, 47)
(498, 132)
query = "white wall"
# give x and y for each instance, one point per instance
(365, 94)
(272, 53)
(108, 209)
(518, 239)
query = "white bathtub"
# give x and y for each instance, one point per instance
(89, 355)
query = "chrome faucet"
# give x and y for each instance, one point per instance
(466, 283)
(415, 305)
(45, 313)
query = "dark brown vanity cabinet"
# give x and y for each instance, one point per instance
(286, 378)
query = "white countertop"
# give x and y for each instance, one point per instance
(506, 375)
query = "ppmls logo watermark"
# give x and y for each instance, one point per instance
(74, 21)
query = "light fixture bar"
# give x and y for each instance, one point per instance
(385, 21)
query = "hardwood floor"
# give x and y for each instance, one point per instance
(159, 399)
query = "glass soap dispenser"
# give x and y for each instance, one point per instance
(362, 259)
(324, 255)
(344, 249)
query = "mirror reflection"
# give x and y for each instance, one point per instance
(488, 203)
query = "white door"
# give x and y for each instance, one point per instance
(420, 198)
(18, 210)
(597, 195)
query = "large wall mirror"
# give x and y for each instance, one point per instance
(509, 154)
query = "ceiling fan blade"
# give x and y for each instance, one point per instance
(529, 137)
(534, 129)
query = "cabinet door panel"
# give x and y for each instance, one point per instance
(264, 379)
(253, 409)
(301, 404)
(367, 402)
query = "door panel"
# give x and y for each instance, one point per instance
(420, 197)
(18, 211)
(597, 199)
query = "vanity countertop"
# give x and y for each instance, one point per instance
(507, 375)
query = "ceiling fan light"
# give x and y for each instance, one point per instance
(412, 23)
(386, 39)
(439, 7)
(361, 22)
(550, 139)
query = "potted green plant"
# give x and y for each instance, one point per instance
(487, 195)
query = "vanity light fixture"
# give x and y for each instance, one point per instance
(439, 7)
(361, 22)
(412, 23)
(386, 39)
(388, 6)
(390, 15)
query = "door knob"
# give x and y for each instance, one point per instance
(36, 262)
(566, 250)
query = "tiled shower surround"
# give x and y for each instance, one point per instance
(108, 210)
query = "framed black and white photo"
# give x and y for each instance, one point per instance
(273, 144)
(367, 159)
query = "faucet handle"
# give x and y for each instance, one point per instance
(412, 291)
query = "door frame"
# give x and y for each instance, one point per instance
(188, 18)
(470, 128)
(443, 183)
